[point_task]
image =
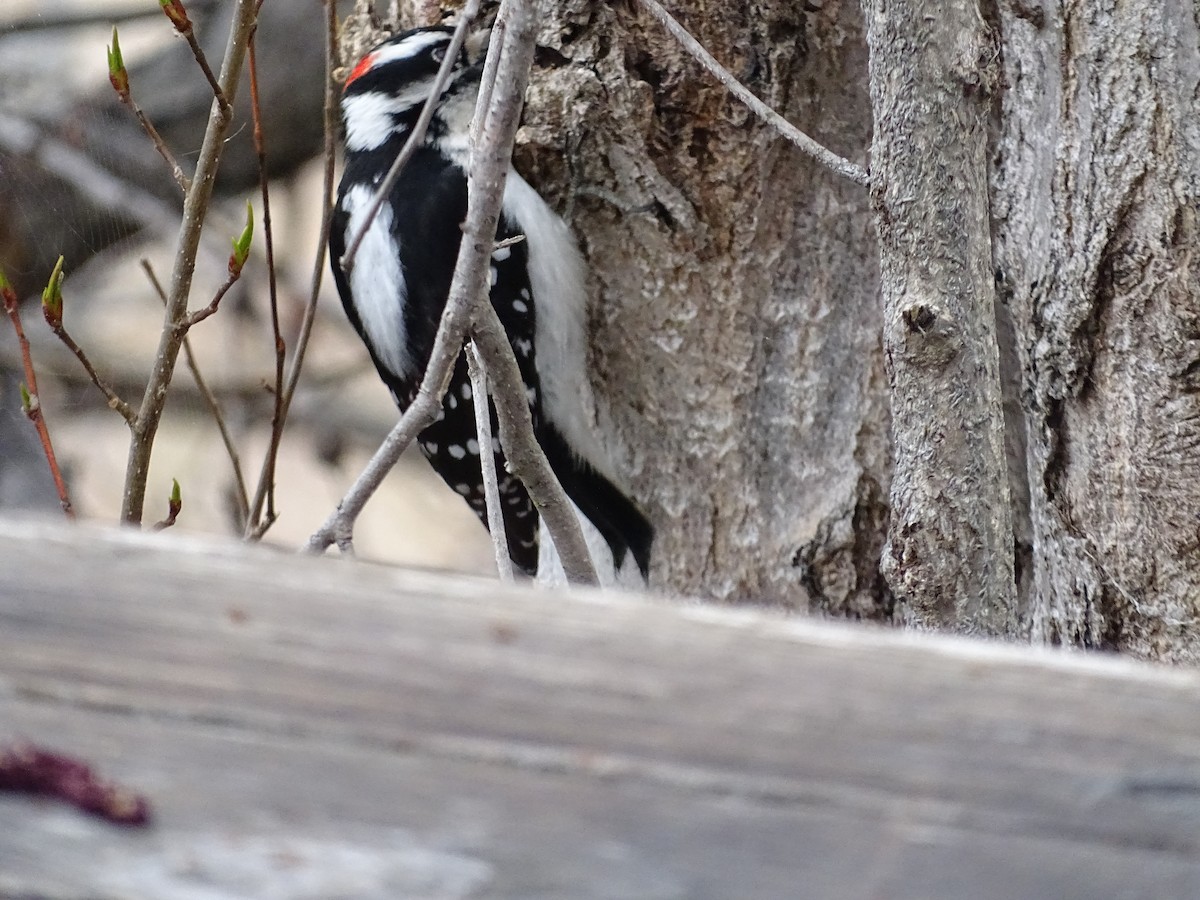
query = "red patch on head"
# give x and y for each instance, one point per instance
(363, 67)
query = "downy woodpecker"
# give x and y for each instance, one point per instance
(397, 287)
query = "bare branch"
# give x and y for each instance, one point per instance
(525, 456)
(205, 311)
(110, 395)
(195, 210)
(52, 311)
(176, 12)
(266, 476)
(118, 76)
(29, 395)
(338, 528)
(260, 149)
(210, 400)
(159, 144)
(821, 154)
(477, 370)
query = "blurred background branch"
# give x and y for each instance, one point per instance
(79, 171)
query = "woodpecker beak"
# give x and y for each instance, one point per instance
(476, 45)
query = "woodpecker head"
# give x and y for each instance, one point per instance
(384, 94)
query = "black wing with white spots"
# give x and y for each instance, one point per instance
(431, 197)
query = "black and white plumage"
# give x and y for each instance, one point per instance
(397, 287)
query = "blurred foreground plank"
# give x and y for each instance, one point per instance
(319, 728)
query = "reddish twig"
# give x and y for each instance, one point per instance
(237, 260)
(310, 309)
(27, 769)
(204, 312)
(260, 149)
(30, 398)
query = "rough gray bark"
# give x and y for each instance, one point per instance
(1095, 191)
(735, 312)
(949, 557)
(736, 322)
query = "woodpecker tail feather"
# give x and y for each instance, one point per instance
(624, 528)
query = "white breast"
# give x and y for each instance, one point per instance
(377, 282)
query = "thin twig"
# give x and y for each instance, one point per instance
(160, 145)
(466, 17)
(338, 527)
(487, 84)
(210, 400)
(195, 209)
(114, 401)
(32, 403)
(499, 110)
(176, 12)
(477, 371)
(525, 456)
(310, 309)
(511, 241)
(118, 76)
(260, 149)
(202, 60)
(821, 154)
(205, 311)
(52, 310)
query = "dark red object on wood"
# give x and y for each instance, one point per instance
(25, 768)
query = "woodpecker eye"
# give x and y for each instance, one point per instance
(437, 54)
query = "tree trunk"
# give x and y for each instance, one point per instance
(737, 321)
(736, 311)
(1096, 168)
(949, 558)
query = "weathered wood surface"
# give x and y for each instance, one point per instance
(317, 728)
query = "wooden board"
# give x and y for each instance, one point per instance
(320, 728)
